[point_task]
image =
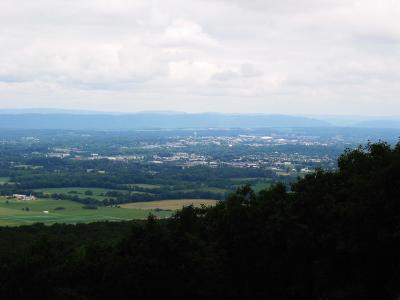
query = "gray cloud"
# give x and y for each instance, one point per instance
(303, 56)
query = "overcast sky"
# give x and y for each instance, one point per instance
(269, 56)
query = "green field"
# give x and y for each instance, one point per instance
(169, 204)
(207, 189)
(261, 186)
(12, 212)
(245, 179)
(4, 180)
(202, 189)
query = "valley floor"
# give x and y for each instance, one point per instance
(18, 212)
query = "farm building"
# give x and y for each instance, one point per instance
(24, 197)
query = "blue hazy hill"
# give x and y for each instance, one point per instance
(379, 124)
(106, 121)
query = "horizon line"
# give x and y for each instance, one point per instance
(51, 110)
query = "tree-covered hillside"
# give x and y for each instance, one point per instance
(335, 235)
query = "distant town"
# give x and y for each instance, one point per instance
(183, 152)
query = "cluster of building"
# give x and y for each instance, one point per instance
(184, 152)
(24, 197)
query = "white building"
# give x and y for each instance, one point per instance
(24, 197)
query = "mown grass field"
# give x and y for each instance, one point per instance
(207, 189)
(200, 189)
(261, 186)
(12, 212)
(169, 204)
(4, 180)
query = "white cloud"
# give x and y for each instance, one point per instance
(288, 56)
(186, 33)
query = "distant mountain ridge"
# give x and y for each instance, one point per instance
(360, 121)
(145, 120)
(50, 118)
(379, 124)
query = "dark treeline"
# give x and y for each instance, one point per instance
(335, 235)
(120, 174)
(120, 198)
